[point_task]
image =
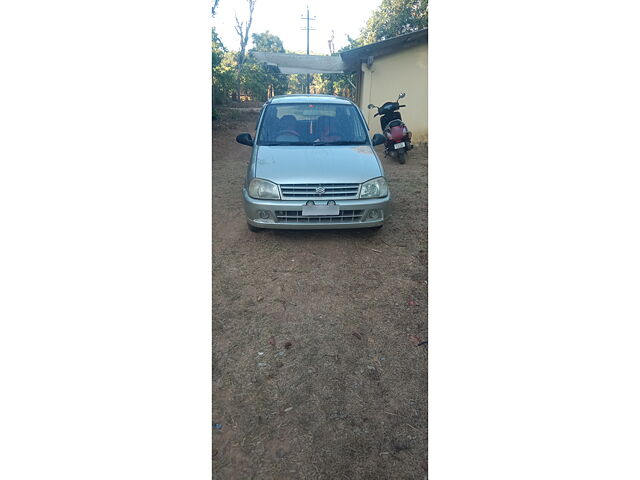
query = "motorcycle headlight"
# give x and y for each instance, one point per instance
(375, 188)
(263, 189)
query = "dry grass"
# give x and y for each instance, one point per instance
(316, 369)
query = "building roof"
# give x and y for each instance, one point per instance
(309, 98)
(354, 57)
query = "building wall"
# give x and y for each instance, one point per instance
(402, 71)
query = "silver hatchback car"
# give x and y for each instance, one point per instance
(313, 166)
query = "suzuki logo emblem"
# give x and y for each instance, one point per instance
(320, 190)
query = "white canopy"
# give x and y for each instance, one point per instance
(295, 63)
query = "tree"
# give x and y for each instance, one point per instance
(258, 80)
(323, 83)
(267, 42)
(217, 52)
(213, 8)
(242, 29)
(343, 84)
(217, 49)
(393, 18)
(297, 83)
(223, 67)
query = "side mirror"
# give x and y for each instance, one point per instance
(370, 106)
(245, 139)
(401, 95)
(378, 139)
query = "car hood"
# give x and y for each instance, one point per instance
(317, 164)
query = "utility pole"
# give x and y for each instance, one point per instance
(307, 29)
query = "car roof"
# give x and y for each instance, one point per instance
(310, 98)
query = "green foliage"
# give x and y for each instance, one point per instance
(267, 42)
(323, 83)
(393, 18)
(297, 83)
(352, 43)
(344, 85)
(219, 72)
(217, 49)
(224, 77)
(256, 79)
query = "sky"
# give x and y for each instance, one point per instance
(283, 18)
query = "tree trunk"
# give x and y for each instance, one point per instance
(238, 93)
(242, 30)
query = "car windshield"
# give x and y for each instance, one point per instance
(311, 124)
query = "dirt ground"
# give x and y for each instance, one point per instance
(316, 369)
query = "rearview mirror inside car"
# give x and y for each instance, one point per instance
(245, 139)
(378, 139)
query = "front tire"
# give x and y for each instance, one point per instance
(254, 229)
(402, 157)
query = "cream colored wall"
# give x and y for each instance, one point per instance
(403, 71)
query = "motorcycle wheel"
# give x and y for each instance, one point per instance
(402, 157)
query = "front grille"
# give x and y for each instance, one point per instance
(295, 216)
(310, 190)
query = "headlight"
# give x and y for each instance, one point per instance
(375, 188)
(264, 189)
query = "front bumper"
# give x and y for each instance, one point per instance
(287, 214)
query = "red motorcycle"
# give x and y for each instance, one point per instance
(398, 137)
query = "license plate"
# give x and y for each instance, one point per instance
(324, 210)
(399, 145)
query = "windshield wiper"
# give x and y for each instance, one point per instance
(278, 144)
(344, 142)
